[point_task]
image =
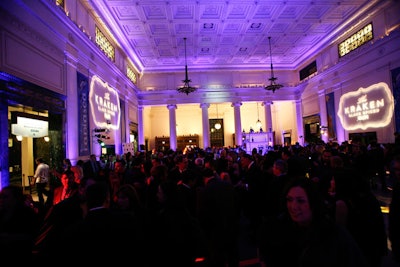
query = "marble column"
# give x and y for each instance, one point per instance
(299, 122)
(206, 125)
(172, 127)
(71, 143)
(268, 115)
(323, 114)
(141, 139)
(238, 123)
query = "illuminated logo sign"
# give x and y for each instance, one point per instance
(356, 40)
(370, 107)
(30, 127)
(104, 104)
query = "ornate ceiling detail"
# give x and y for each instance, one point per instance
(224, 34)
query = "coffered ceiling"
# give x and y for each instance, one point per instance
(226, 34)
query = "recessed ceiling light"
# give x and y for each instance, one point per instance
(208, 26)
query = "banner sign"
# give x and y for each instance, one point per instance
(83, 115)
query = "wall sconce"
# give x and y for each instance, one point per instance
(19, 137)
(46, 139)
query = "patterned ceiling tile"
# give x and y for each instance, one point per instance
(255, 27)
(263, 12)
(341, 12)
(182, 12)
(315, 13)
(291, 12)
(140, 42)
(159, 28)
(224, 50)
(184, 28)
(224, 33)
(209, 27)
(126, 13)
(279, 27)
(322, 27)
(133, 29)
(238, 11)
(210, 11)
(163, 41)
(300, 28)
(144, 52)
(154, 12)
(231, 28)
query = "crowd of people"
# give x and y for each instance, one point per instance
(305, 206)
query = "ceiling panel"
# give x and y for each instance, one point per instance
(231, 34)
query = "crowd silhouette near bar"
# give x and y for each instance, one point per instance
(317, 205)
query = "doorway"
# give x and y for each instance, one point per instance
(287, 138)
(30, 101)
(216, 133)
(312, 131)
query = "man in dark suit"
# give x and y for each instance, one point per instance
(216, 211)
(181, 164)
(91, 168)
(253, 189)
(274, 204)
(186, 188)
(103, 235)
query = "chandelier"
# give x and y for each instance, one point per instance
(186, 88)
(273, 86)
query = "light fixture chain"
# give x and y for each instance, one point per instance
(186, 88)
(273, 86)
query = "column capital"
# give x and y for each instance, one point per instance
(267, 103)
(204, 105)
(70, 59)
(171, 106)
(236, 104)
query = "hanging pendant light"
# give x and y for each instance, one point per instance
(186, 88)
(258, 123)
(217, 125)
(273, 86)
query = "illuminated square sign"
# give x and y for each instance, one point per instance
(356, 40)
